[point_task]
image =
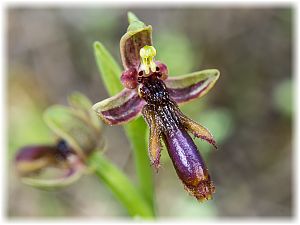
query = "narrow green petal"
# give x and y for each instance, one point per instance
(83, 106)
(69, 126)
(69, 178)
(79, 101)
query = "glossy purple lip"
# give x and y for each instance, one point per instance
(166, 121)
(189, 164)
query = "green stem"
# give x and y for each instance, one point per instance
(120, 186)
(136, 131)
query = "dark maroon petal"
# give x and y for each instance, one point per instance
(129, 78)
(189, 164)
(191, 86)
(163, 69)
(120, 108)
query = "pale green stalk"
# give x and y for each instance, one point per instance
(119, 184)
(110, 73)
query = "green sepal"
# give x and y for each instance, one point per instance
(69, 125)
(54, 183)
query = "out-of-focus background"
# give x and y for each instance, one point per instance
(249, 111)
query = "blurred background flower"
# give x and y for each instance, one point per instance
(250, 110)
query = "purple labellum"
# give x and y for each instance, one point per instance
(31, 161)
(29, 153)
(35, 158)
(167, 121)
(189, 164)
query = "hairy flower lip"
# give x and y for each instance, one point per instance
(166, 121)
(31, 159)
(203, 190)
(29, 153)
(189, 164)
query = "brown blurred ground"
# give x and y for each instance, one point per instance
(50, 54)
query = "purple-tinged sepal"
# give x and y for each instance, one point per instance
(191, 86)
(137, 36)
(120, 108)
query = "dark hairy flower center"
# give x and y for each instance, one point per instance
(156, 95)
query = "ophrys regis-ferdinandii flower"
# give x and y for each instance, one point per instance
(149, 91)
(78, 134)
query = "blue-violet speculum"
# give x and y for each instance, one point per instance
(149, 91)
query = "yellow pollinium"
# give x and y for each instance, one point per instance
(147, 54)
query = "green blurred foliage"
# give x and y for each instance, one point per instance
(176, 51)
(219, 122)
(185, 208)
(283, 97)
(25, 119)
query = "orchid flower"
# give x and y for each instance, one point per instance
(150, 92)
(78, 134)
(77, 151)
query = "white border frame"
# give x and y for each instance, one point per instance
(153, 3)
